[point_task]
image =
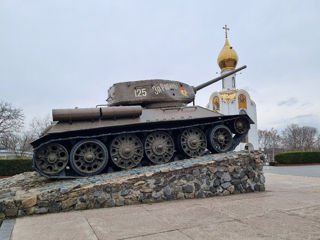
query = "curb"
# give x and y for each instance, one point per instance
(295, 164)
(6, 229)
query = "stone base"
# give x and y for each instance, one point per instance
(208, 176)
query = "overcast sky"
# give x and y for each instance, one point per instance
(63, 54)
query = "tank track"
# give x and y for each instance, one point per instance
(70, 173)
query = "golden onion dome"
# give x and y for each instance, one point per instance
(227, 58)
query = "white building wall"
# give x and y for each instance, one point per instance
(229, 83)
(231, 107)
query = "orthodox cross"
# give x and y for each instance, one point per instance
(226, 29)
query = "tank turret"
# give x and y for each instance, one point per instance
(157, 92)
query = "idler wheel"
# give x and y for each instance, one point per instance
(159, 147)
(126, 151)
(89, 157)
(220, 139)
(193, 142)
(51, 159)
(241, 126)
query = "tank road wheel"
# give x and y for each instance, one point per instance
(159, 147)
(88, 157)
(241, 126)
(220, 139)
(193, 142)
(126, 151)
(51, 159)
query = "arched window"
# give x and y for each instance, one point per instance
(216, 103)
(242, 101)
(233, 82)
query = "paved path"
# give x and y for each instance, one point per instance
(307, 170)
(289, 209)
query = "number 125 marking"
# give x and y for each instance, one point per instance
(140, 92)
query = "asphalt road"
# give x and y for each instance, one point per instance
(307, 171)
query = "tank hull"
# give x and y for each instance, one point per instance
(102, 134)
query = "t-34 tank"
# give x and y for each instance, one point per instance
(145, 122)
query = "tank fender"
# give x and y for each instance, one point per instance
(85, 114)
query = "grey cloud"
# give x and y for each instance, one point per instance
(304, 104)
(289, 102)
(303, 116)
(311, 120)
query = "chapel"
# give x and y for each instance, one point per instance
(230, 100)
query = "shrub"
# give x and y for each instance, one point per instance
(297, 157)
(9, 167)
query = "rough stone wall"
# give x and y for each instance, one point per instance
(208, 176)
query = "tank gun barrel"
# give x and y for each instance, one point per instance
(203, 85)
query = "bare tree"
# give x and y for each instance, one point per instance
(263, 138)
(11, 136)
(22, 141)
(11, 119)
(38, 125)
(300, 138)
(18, 143)
(317, 145)
(309, 138)
(24, 145)
(269, 140)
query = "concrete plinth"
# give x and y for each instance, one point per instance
(208, 176)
